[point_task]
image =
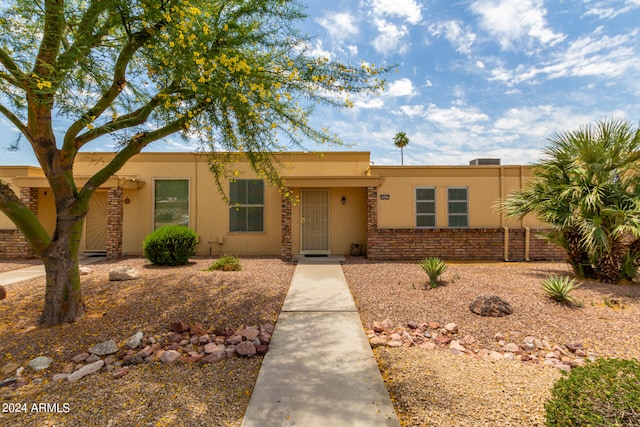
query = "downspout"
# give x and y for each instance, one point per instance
(505, 245)
(527, 241)
(523, 223)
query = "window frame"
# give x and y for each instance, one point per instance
(153, 200)
(237, 206)
(456, 214)
(435, 204)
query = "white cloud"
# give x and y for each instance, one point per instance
(390, 39)
(412, 110)
(367, 102)
(595, 55)
(340, 26)
(408, 10)
(318, 51)
(352, 49)
(609, 9)
(460, 36)
(516, 23)
(401, 87)
(455, 117)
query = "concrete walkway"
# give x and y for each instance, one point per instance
(320, 369)
(34, 271)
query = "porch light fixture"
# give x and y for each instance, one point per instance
(343, 200)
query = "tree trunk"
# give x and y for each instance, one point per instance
(610, 263)
(63, 296)
(578, 257)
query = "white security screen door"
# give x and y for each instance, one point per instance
(315, 221)
(96, 223)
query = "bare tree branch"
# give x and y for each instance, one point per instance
(85, 39)
(16, 121)
(133, 147)
(54, 24)
(117, 85)
(13, 69)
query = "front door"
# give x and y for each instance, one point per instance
(96, 223)
(315, 222)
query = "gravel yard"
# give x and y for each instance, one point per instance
(151, 394)
(438, 388)
(428, 387)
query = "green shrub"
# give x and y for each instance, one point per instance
(629, 268)
(434, 267)
(559, 287)
(600, 394)
(226, 263)
(170, 245)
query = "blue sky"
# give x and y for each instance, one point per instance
(482, 78)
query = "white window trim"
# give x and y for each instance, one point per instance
(435, 205)
(153, 197)
(449, 214)
(239, 205)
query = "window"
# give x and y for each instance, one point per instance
(425, 207)
(246, 212)
(171, 202)
(458, 207)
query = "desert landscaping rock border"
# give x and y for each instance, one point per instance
(433, 335)
(184, 343)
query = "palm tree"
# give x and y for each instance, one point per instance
(401, 141)
(588, 189)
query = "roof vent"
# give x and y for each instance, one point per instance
(477, 162)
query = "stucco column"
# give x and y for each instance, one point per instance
(114, 222)
(285, 215)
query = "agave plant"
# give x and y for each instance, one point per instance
(559, 287)
(434, 267)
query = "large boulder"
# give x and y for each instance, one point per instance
(490, 306)
(123, 273)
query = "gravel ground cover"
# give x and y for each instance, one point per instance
(429, 388)
(438, 388)
(151, 394)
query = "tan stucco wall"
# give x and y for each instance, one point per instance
(343, 174)
(209, 214)
(486, 185)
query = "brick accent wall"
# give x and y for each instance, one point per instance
(13, 245)
(115, 212)
(12, 242)
(286, 250)
(29, 197)
(458, 244)
(372, 209)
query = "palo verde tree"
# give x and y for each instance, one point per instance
(234, 74)
(588, 189)
(401, 141)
